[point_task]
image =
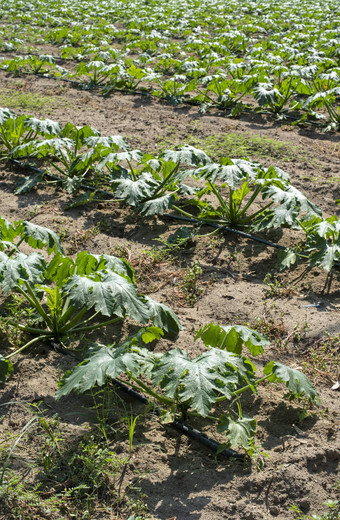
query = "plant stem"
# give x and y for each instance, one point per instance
(38, 306)
(73, 322)
(147, 390)
(34, 340)
(93, 327)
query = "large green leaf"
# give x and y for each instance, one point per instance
(240, 432)
(231, 174)
(59, 269)
(5, 114)
(193, 380)
(286, 214)
(323, 253)
(135, 191)
(28, 182)
(198, 382)
(163, 316)
(44, 127)
(104, 362)
(112, 294)
(14, 270)
(110, 142)
(266, 94)
(39, 236)
(232, 338)
(7, 230)
(186, 156)
(286, 258)
(157, 205)
(297, 383)
(291, 194)
(87, 263)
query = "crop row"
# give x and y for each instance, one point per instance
(63, 299)
(231, 193)
(235, 57)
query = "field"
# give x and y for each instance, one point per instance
(169, 256)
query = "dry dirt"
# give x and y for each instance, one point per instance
(180, 478)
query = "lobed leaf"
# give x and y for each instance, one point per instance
(297, 383)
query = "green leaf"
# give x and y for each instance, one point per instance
(326, 254)
(72, 184)
(194, 380)
(157, 205)
(284, 215)
(111, 295)
(186, 156)
(163, 316)
(152, 334)
(231, 174)
(240, 432)
(6, 368)
(266, 94)
(134, 191)
(110, 142)
(297, 383)
(198, 382)
(232, 338)
(59, 269)
(5, 114)
(28, 182)
(14, 270)
(39, 236)
(286, 258)
(7, 230)
(44, 127)
(103, 362)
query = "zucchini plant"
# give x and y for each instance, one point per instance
(321, 245)
(209, 385)
(68, 296)
(237, 184)
(20, 130)
(66, 152)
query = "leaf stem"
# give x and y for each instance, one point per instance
(34, 340)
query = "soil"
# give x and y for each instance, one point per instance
(179, 478)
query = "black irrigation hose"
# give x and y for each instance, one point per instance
(224, 228)
(181, 426)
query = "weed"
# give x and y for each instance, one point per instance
(86, 474)
(131, 421)
(190, 284)
(28, 100)
(276, 289)
(273, 328)
(332, 513)
(322, 356)
(247, 145)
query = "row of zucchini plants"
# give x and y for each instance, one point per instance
(67, 298)
(233, 193)
(232, 56)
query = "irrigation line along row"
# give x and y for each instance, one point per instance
(181, 426)
(171, 216)
(88, 87)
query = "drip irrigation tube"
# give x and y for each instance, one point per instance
(182, 427)
(224, 228)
